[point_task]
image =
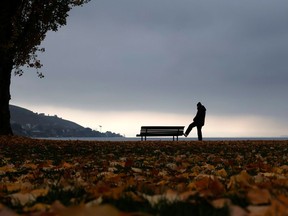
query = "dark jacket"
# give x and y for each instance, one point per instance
(199, 119)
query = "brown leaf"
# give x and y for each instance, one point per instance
(277, 208)
(129, 163)
(237, 211)
(258, 210)
(38, 207)
(259, 196)
(222, 172)
(283, 199)
(221, 203)
(104, 210)
(209, 186)
(7, 212)
(22, 199)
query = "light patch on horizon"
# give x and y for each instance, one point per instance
(129, 123)
(244, 126)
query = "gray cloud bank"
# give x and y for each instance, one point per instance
(164, 55)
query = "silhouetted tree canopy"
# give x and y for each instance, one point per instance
(23, 26)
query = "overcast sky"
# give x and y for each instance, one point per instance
(126, 63)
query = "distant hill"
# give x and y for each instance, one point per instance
(27, 123)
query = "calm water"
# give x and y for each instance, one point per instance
(163, 138)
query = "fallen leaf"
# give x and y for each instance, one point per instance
(221, 203)
(222, 172)
(237, 211)
(22, 199)
(259, 196)
(240, 181)
(258, 210)
(104, 210)
(277, 208)
(38, 207)
(39, 192)
(7, 212)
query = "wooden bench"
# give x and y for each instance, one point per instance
(174, 131)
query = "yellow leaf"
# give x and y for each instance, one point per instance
(7, 168)
(137, 170)
(172, 166)
(30, 166)
(37, 207)
(241, 180)
(208, 167)
(191, 186)
(185, 175)
(12, 187)
(277, 170)
(67, 165)
(163, 182)
(222, 173)
(163, 173)
(40, 192)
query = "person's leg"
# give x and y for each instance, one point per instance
(199, 132)
(190, 127)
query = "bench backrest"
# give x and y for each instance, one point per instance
(162, 130)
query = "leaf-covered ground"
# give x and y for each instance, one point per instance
(45, 177)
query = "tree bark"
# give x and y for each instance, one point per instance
(7, 11)
(5, 80)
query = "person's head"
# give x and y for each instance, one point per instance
(199, 104)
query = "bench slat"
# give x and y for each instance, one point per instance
(161, 131)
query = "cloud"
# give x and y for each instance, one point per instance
(165, 56)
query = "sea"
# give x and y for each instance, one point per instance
(122, 139)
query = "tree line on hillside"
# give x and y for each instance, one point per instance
(25, 122)
(57, 131)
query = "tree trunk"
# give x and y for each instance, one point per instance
(5, 80)
(8, 8)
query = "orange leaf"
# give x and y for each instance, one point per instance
(277, 208)
(259, 196)
(241, 180)
(284, 199)
(210, 186)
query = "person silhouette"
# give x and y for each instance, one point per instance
(198, 121)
